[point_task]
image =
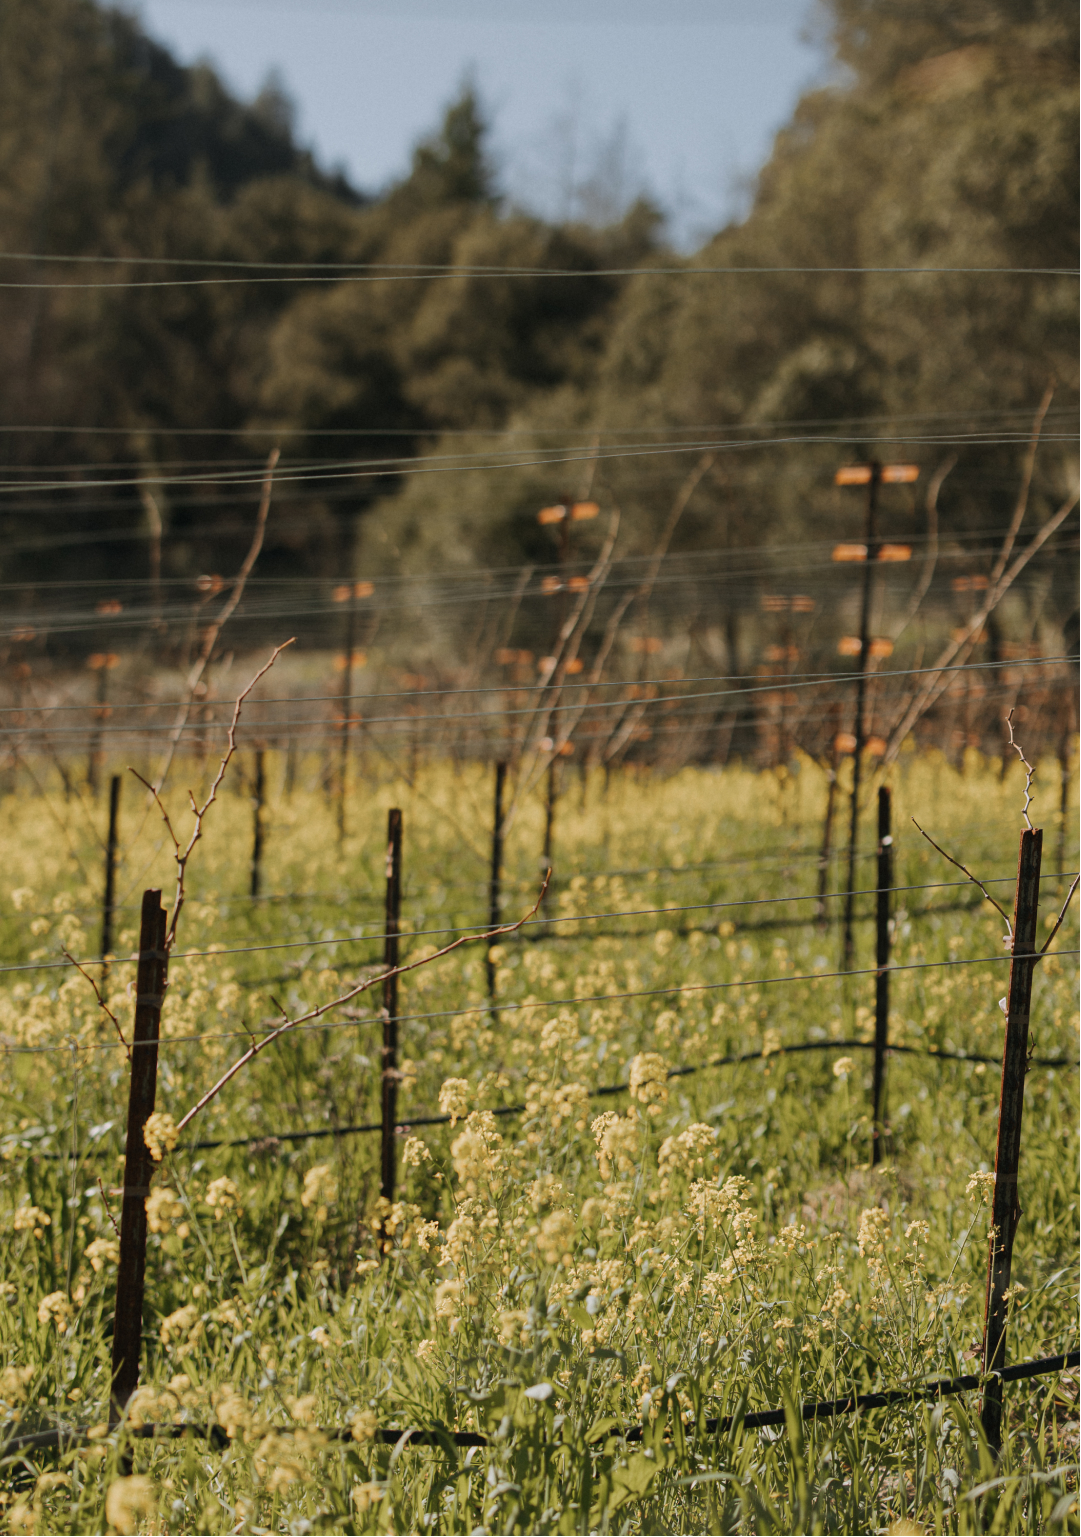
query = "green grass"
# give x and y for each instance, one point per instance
(644, 1274)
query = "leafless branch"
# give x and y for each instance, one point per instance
(930, 559)
(1029, 771)
(615, 619)
(585, 485)
(182, 855)
(547, 695)
(958, 650)
(1061, 916)
(966, 871)
(101, 1001)
(108, 1208)
(354, 992)
(1026, 483)
(215, 629)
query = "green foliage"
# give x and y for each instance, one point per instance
(947, 140)
(704, 1248)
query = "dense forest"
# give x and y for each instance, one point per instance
(424, 418)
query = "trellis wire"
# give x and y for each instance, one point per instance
(442, 1437)
(642, 912)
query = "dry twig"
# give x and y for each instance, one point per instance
(1058, 920)
(101, 1001)
(354, 992)
(108, 1208)
(183, 855)
(958, 649)
(974, 879)
(1030, 772)
(215, 629)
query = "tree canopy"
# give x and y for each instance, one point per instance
(948, 143)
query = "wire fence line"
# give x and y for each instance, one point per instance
(533, 923)
(444, 1438)
(607, 1090)
(264, 1140)
(672, 990)
(787, 681)
(458, 269)
(523, 937)
(323, 472)
(570, 685)
(320, 473)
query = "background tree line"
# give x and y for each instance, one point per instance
(949, 141)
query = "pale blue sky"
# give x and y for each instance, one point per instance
(680, 96)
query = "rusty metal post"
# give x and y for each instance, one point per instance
(109, 899)
(496, 877)
(94, 757)
(549, 825)
(150, 985)
(1006, 1209)
(860, 729)
(882, 972)
(821, 913)
(346, 707)
(390, 1002)
(258, 799)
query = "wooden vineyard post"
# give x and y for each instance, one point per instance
(390, 1004)
(821, 914)
(258, 798)
(138, 1165)
(101, 662)
(882, 972)
(549, 825)
(346, 705)
(1006, 1209)
(109, 899)
(860, 727)
(495, 881)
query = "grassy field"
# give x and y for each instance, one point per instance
(688, 1248)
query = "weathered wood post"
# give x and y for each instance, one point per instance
(1006, 1208)
(150, 983)
(882, 972)
(496, 877)
(109, 898)
(392, 928)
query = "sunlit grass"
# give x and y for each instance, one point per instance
(652, 1258)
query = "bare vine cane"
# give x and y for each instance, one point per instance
(183, 855)
(376, 980)
(215, 629)
(156, 939)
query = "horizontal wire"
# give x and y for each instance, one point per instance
(535, 431)
(371, 272)
(250, 471)
(138, 625)
(514, 884)
(358, 697)
(604, 1091)
(607, 1090)
(786, 682)
(641, 912)
(959, 548)
(404, 1436)
(518, 885)
(423, 465)
(485, 1007)
(458, 268)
